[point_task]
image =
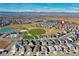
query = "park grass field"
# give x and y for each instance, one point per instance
(28, 37)
(32, 34)
(37, 31)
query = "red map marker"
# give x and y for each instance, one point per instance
(62, 23)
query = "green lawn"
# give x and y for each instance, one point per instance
(36, 37)
(28, 37)
(25, 33)
(33, 34)
(37, 31)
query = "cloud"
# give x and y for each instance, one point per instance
(45, 7)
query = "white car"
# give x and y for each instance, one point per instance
(71, 46)
(70, 39)
(43, 48)
(51, 48)
(58, 48)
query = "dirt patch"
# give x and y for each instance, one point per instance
(55, 31)
(4, 43)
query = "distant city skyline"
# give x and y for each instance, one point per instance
(39, 7)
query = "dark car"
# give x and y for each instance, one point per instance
(34, 43)
(51, 41)
(57, 41)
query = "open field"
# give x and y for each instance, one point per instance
(55, 31)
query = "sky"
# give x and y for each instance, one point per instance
(39, 7)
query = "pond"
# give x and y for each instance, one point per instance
(6, 29)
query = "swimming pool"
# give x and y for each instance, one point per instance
(6, 30)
